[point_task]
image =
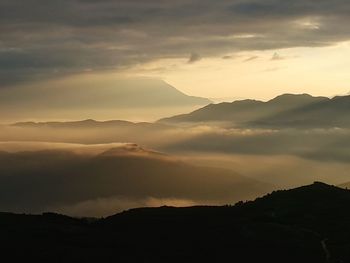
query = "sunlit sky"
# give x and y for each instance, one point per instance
(259, 74)
(224, 49)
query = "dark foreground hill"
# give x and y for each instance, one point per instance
(307, 224)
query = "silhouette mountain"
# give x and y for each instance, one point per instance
(306, 224)
(283, 111)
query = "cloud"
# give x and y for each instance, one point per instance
(277, 56)
(251, 58)
(99, 178)
(119, 178)
(327, 145)
(45, 39)
(194, 57)
(271, 69)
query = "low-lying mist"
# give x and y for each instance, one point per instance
(87, 181)
(330, 145)
(97, 168)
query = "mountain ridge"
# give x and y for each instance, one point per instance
(295, 225)
(284, 111)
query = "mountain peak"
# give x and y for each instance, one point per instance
(296, 98)
(314, 196)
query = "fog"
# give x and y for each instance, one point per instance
(282, 171)
(330, 145)
(88, 181)
(94, 168)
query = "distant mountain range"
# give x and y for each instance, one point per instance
(287, 110)
(87, 124)
(306, 224)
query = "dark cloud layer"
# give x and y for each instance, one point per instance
(50, 38)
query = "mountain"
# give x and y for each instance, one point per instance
(306, 224)
(123, 93)
(246, 111)
(88, 124)
(77, 180)
(93, 100)
(283, 111)
(326, 113)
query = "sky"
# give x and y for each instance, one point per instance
(226, 49)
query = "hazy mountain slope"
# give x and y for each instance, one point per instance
(90, 99)
(333, 112)
(283, 111)
(124, 93)
(90, 124)
(116, 179)
(238, 111)
(306, 224)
